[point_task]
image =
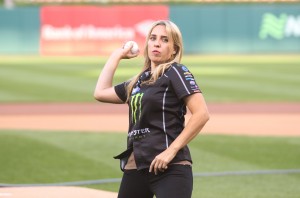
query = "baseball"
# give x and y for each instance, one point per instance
(135, 47)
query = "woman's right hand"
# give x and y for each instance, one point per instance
(125, 53)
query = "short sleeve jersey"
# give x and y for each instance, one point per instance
(156, 113)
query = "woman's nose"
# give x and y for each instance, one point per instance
(157, 43)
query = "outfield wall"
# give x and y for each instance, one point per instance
(19, 31)
(239, 28)
(97, 30)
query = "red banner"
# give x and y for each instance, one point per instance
(93, 30)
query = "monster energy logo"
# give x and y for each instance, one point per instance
(136, 106)
(279, 27)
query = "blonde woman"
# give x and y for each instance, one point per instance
(157, 160)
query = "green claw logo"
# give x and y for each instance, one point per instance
(136, 106)
(273, 26)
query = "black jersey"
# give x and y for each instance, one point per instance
(156, 113)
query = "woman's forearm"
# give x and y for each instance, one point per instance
(104, 90)
(193, 127)
(200, 116)
(107, 74)
(195, 124)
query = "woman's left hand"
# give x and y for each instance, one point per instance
(161, 161)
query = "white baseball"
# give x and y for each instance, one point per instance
(135, 47)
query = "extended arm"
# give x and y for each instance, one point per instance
(200, 116)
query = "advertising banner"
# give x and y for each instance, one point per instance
(94, 30)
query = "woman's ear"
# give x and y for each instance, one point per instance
(175, 49)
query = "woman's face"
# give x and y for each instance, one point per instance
(160, 46)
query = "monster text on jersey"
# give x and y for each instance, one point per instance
(139, 133)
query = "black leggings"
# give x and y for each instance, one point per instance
(175, 182)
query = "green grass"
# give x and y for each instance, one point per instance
(50, 157)
(221, 78)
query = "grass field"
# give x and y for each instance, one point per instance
(47, 157)
(221, 78)
(51, 157)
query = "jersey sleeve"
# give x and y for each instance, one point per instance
(183, 81)
(121, 92)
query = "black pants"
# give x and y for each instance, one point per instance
(175, 182)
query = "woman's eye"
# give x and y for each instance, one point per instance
(165, 40)
(152, 38)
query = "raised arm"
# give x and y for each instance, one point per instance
(104, 91)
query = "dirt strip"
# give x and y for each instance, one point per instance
(240, 119)
(238, 124)
(102, 108)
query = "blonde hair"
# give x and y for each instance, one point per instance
(174, 34)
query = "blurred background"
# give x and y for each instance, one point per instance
(95, 27)
(244, 54)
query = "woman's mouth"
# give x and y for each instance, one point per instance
(155, 52)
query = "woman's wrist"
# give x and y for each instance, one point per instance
(174, 148)
(116, 55)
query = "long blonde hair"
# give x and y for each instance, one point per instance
(174, 34)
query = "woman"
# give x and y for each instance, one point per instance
(157, 160)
